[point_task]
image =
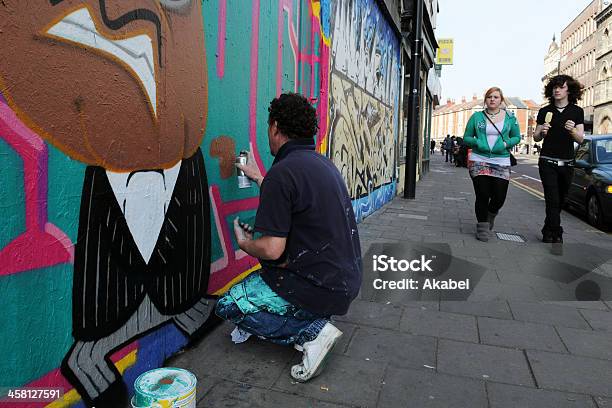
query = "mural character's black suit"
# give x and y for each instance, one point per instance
(110, 276)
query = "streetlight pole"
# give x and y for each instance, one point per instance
(414, 100)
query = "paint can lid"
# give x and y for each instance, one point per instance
(164, 383)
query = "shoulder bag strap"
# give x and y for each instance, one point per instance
(489, 119)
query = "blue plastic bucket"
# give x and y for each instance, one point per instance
(166, 387)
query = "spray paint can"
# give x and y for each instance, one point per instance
(243, 180)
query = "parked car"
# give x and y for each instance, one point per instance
(591, 188)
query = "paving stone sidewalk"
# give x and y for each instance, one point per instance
(518, 341)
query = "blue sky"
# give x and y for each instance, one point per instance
(501, 43)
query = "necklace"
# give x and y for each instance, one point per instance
(492, 114)
(561, 107)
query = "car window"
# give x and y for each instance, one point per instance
(603, 151)
(584, 151)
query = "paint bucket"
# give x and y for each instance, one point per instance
(165, 387)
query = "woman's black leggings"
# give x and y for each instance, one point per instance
(490, 195)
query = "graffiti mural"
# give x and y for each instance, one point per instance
(118, 133)
(364, 102)
(300, 34)
(120, 87)
(365, 49)
(363, 133)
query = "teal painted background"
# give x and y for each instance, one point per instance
(36, 304)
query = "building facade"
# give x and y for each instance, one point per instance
(577, 51)
(552, 61)
(602, 121)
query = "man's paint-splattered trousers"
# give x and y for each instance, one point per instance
(255, 308)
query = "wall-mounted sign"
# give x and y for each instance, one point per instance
(444, 55)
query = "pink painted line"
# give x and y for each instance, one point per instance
(232, 207)
(61, 238)
(296, 50)
(314, 27)
(279, 50)
(41, 244)
(286, 6)
(33, 152)
(225, 231)
(226, 269)
(220, 212)
(221, 31)
(323, 105)
(253, 85)
(294, 46)
(233, 262)
(311, 59)
(222, 262)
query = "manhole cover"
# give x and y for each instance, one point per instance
(509, 237)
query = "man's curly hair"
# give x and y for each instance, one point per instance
(294, 116)
(574, 88)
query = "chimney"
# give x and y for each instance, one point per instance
(463, 99)
(474, 97)
(449, 102)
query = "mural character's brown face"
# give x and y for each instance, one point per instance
(115, 83)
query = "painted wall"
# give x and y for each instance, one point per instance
(119, 125)
(364, 102)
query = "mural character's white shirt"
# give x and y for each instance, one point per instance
(144, 197)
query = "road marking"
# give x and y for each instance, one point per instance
(532, 178)
(528, 189)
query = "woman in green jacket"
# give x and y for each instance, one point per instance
(490, 134)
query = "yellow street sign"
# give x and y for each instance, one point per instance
(444, 56)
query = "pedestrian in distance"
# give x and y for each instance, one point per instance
(457, 141)
(446, 146)
(432, 146)
(559, 125)
(460, 153)
(308, 244)
(490, 134)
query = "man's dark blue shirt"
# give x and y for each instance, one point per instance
(304, 198)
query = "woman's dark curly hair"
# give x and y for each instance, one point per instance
(574, 88)
(294, 116)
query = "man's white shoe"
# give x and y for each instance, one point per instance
(315, 353)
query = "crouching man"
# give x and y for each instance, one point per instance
(307, 243)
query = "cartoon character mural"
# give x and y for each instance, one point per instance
(122, 87)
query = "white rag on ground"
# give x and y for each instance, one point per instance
(239, 335)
